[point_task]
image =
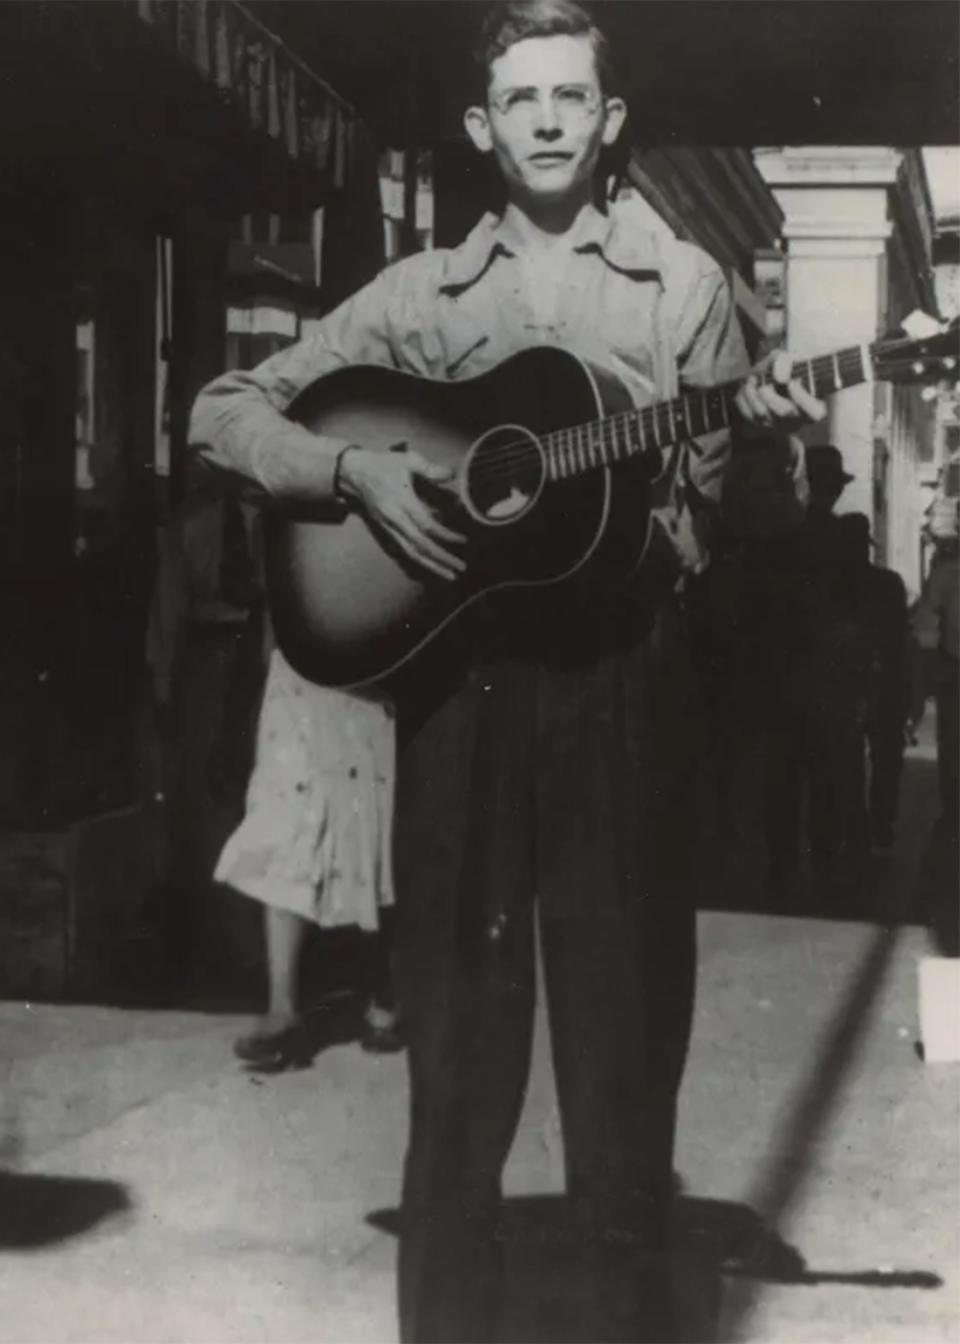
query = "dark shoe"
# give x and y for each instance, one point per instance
(274, 1050)
(382, 1033)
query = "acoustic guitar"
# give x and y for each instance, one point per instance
(554, 473)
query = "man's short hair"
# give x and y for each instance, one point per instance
(514, 21)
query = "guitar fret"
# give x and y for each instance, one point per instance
(689, 415)
(724, 411)
(650, 415)
(666, 422)
(614, 438)
(866, 363)
(612, 444)
(558, 455)
(612, 447)
(637, 424)
(709, 410)
(823, 375)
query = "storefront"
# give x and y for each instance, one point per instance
(136, 135)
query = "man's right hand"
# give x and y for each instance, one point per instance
(383, 485)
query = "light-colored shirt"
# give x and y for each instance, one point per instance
(655, 311)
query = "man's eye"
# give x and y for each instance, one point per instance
(576, 96)
(518, 96)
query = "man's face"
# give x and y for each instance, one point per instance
(546, 118)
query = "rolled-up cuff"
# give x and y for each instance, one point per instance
(296, 463)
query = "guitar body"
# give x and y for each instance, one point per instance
(349, 610)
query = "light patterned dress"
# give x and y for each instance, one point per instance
(316, 835)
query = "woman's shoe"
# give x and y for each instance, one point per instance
(273, 1049)
(382, 1032)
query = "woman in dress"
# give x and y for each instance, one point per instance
(314, 846)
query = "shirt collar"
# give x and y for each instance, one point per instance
(629, 251)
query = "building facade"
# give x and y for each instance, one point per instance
(136, 134)
(858, 246)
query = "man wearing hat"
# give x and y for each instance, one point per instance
(876, 606)
(827, 478)
(804, 757)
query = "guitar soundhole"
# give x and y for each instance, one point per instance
(504, 475)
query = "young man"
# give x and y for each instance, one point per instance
(547, 764)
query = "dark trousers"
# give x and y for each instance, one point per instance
(814, 765)
(948, 738)
(885, 737)
(558, 799)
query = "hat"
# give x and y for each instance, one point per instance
(825, 461)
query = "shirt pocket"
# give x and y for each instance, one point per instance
(625, 322)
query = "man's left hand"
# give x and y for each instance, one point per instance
(771, 399)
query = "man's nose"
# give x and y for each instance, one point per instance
(547, 125)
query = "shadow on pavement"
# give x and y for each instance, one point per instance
(716, 1241)
(39, 1210)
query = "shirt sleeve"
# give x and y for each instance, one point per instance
(708, 349)
(238, 422)
(708, 343)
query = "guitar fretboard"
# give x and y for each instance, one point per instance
(602, 443)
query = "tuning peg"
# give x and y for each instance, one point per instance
(920, 326)
(929, 393)
(949, 362)
(918, 367)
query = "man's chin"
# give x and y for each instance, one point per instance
(545, 191)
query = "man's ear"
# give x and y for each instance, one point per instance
(477, 125)
(615, 115)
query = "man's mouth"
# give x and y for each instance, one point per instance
(550, 157)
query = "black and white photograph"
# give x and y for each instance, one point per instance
(479, 548)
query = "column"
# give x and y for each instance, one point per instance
(837, 223)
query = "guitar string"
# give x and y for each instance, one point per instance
(601, 435)
(505, 458)
(600, 429)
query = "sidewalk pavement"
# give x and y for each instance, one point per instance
(155, 1192)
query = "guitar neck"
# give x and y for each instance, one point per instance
(603, 443)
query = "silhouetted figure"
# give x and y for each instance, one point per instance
(878, 613)
(817, 716)
(935, 623)
(935, 628)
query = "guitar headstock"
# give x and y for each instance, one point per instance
(928, 352)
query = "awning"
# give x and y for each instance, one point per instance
(255, 73)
